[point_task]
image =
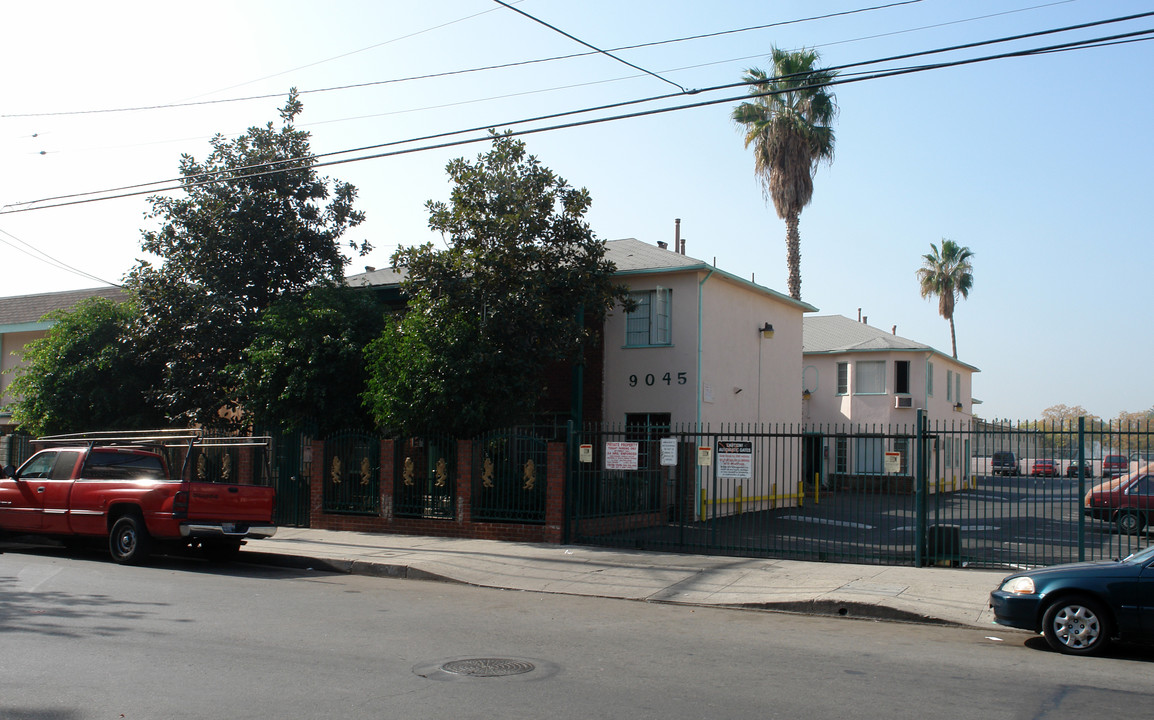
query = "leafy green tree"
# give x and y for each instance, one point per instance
(306, 362)
(789, 123)
(521, 285)
(255, 223)
(86, 373)
(947, 274)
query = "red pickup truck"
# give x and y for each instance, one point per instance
(118, 486)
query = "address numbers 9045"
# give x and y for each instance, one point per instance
(651, 379)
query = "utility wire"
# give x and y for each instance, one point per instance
(574, 38)
(305, 161)
(1074, 45)
(40, 255)
(502, 66)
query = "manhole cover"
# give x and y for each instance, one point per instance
(488, 667)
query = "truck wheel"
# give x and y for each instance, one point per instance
(221, 552)
(129, 543)
(1130, 522)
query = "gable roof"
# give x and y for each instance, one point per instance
(839, 334)
(22, 310)
(629, 256)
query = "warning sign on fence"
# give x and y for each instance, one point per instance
(620, 456)
(735, 459)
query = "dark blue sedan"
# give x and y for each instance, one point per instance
(1081, 607)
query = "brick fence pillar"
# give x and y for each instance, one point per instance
(387, 476)
(555, 493)
(465, 482)
(317, 483)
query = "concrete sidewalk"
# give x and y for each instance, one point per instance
(935, 595)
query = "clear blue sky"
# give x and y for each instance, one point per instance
(1040, 165)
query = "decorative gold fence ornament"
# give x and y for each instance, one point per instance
(442, 472)
(487, 473)
(336, 470)
(407, 473)
(366, 471)
(530, 475)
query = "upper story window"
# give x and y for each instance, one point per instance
(869, 377)
(842, 378)
(651, 322)
(902, 376)
(949, 385)
(929, 379)
(958, 387)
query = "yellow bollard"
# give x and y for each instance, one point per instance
(816, 489)
(773, 496)
(738, 499)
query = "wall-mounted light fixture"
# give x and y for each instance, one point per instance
(766, 331)
(806, 394)
(957, 407)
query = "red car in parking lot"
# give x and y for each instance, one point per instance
(1046, 468)
(1115, 465)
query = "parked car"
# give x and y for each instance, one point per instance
(1081, 607)
(1087, 465)
(1004, 463)
(1044, 468)
(1115, 465)
(1126, 502)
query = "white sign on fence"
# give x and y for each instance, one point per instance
(893, 462)
(735, 459)
(669, 451)
(620, 456)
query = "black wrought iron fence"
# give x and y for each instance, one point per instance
(929, 493)
(509, 471)
(351, 473)
(425, 479)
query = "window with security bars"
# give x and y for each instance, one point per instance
(651, 321)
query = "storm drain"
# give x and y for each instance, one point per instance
(488, 667)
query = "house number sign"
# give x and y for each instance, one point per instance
(651, 379)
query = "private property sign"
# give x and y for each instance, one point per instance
(735, 459)
(620, 456)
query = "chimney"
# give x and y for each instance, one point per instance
(370, 268)
(677, 236)
(859, 314)
(662, 244)
(865, 320)
(895, 330)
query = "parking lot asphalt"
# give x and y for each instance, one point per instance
(947, 596)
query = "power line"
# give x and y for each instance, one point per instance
(41, 256)
(574, 38)
(502, 66)
(311, 160)
(1074, 45)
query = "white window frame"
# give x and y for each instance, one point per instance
(866, 371)
(655, 309)
(843, 378)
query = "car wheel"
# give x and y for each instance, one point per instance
(1130, 522)
(1076, 626)
(129, 543)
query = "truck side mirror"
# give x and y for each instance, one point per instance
(7, 471)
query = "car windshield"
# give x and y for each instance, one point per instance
(1141, 556)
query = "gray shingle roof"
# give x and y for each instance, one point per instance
(22, 309)
(837, 333)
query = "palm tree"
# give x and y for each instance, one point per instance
(788, 123)
(947, 274)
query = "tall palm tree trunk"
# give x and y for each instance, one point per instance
(953, 338)
(793, 255)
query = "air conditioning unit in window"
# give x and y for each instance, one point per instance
(903, 402)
